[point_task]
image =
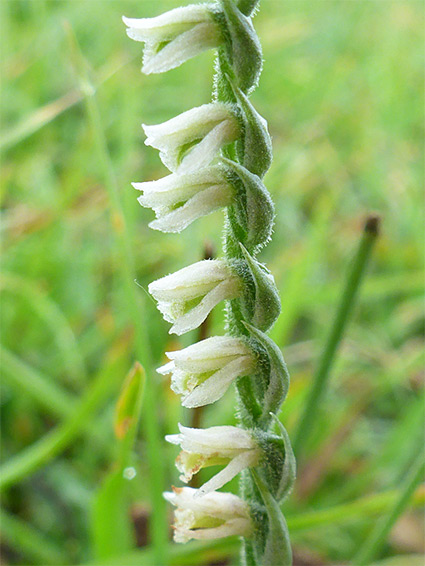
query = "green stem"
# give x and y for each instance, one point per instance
(321, 377)
(379, 535)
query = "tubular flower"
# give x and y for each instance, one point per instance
(192, 140)
(186, 297)
(202, 372)
(178, 200)
(174, 37)
(216, 515)
(213, 446)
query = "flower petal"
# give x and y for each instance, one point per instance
(166, 26)
(233, 468)
(187, 126)
(199, 205)
(216, 386)
(216, 504)
(173, 188)
(227, 289)
(242, 527)
(205, 151)
(191, 281)
(188, 44)
(215, 439)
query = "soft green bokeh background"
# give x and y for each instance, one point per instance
(342, 90)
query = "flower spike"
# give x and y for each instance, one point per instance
(202, 372)
(186, 297)
(174, 37)
(218, 154)
(216, 515)
(214, 446)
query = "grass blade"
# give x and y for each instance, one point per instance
(380, 533)
(31, 544)
(345, 308)
(112, 529)
(56, 400)
(76, 424)
(53, 318)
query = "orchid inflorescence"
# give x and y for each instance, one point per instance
(218, 154)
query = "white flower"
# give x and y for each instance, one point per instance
(178, 200)
(186, 297)
(191, 140)
(174, 37)
(203, 372)
(214, 446)
(216, 515)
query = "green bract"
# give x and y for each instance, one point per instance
(252, 211)
(242, 48)
(255, 147)
(278, 378)
(262, 302)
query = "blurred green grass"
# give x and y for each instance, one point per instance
(342, 90)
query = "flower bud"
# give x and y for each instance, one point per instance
(174, 37)
(192, 140)
(242, 47)
(216, 515)
(218, 445)
(204, 371)
(178, 200)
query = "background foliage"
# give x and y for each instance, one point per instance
(342, 90)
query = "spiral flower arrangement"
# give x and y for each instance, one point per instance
(218, 155)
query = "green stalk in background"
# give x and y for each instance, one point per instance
(348, 298)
